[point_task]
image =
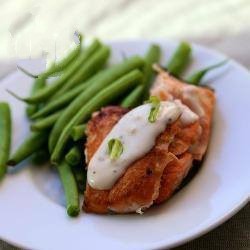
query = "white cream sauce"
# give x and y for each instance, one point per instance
(190, 94)
(137, 136)
(187, 116)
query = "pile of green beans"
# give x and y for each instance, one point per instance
(5, 135)
(60, 111)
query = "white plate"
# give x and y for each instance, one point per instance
(31, 204)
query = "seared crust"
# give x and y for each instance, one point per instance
(173, 175)
(143, 182)
(139, 186)
(153, 178)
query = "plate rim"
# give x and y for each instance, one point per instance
(234, 209)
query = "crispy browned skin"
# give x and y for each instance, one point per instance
(173, 175)
(142, 184)
(154, 177)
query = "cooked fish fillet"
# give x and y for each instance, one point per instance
(199, 99)
(141, 185)
(153, 178)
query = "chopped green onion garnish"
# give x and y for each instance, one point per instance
(153, 113)
(153, 99)
(115, 148)
(155, 102)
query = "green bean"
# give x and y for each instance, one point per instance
(65, 61)
(45, 123)
(140, 92)
(26, 72)
(152, 56)
(59, 66)
(96, 84)
(60, 102)
(81, 177)
(39, 84)
(94, 64)
(34, 142)
(5, 136)
(197, 77)
(104, 97)
(180, 59)
(40, 157)
(73, 157)
(54, 68)
(78, 132)
(51, 89)
(134, 98)
(70, 189)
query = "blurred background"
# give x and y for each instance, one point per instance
(32, 28)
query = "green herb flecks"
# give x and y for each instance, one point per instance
(155, 108)
(115, 148)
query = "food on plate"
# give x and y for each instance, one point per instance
(78, 132)
(70, 188)
(39, 84)
(36, 141)
(197, 77)
(104, 97)
(180, 59)
(140, 134)
(5, 135)
(72, 74)
(200, 100)
(46, 122)
(152, 56)
(73, 157)
(157, 154)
